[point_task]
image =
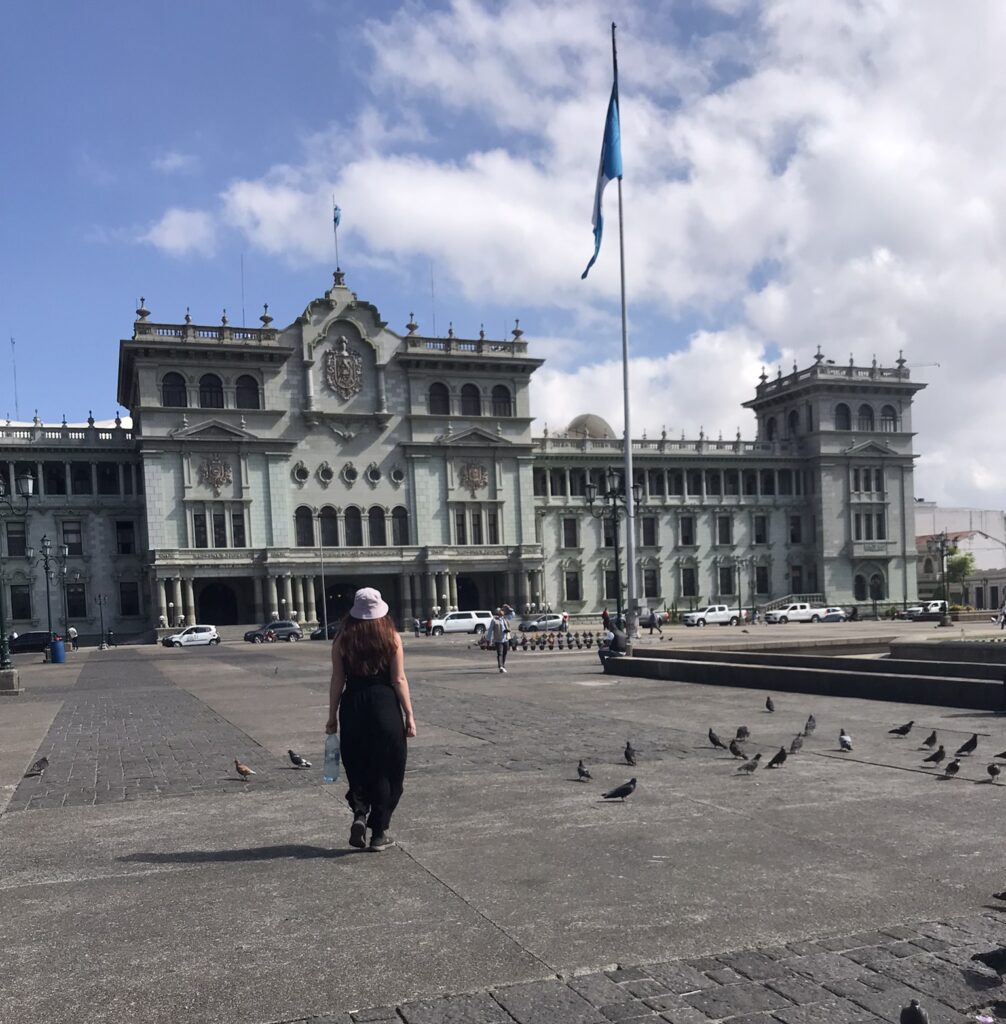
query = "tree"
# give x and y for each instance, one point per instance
(959, 567)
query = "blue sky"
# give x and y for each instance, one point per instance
(796, 175)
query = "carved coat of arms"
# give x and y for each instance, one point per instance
(343, 370)
(215, 473)
(474, 476)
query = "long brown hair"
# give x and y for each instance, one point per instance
(366, 645)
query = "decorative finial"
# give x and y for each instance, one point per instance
(188, 315)
(64, 419)
(338, 278)
(35, 420)
(482, 332)
(721, 436)
(901, 360)
(702, 433)
(412, 326)
(852, 362)
(90, 418)
(450, 329)
(794, 366)
(118, 419)
(738, 433)
(224, 320)
(874, 362)
(546, 430)
(516, 332)
(819, 356)
(778, 372)
(764, 375)
(142, 312)
(265, 317)
(663, 433)
(244, 422)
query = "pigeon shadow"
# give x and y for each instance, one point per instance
(294, 851)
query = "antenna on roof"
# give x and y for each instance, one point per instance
(13, 360)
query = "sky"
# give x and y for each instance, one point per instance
(796, 173)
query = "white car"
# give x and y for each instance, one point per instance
(715, 614)
(928, 610)
(799, 612)
(192, 636)
(462, 622)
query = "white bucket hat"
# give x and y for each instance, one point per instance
(368, 604)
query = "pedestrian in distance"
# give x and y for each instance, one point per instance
(655, 623)
(370, 705)
(417, 626)
(618, 643)
(498, 636)
(429, 626)
(73, 638)
(606, 619)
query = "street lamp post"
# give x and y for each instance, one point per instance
(24, 486)
(321, 554)
(101, 600)
(615, 507)
(48, 562)
(941, 544)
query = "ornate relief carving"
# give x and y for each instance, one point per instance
(343, 370)
(473, 476)
(215, 473)
(301, 473)
(325, 474)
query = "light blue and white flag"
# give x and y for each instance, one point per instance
(336, 215)
(610, 168)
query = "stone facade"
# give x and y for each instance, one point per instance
(270, 472)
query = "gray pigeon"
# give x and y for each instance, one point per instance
(952, 769)
(736, 750)
(968, 747)
(630, 754)
(38, 768)
(582, 772)
(716, 741)
(810, 726)
(750, 766)
(937, 758)
(297, 761)
(1002, 755)
(901, 730)
(743, 732)
(914, 1014)
(930, 740)
(994, 770)
(797, 745)
(621, 792)
(769, 705)
(778, 760)
(996, 959)
(844, 740)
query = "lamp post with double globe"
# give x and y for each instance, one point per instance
(49, 563)
(615, 507)
(11, 509)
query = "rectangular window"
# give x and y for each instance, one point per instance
(608, 530)
(651, 583)
(795, 530)
(727, 579)
(855, 481)
(857, 526)
(610, 585)
(477, 527)
(796, 579)
(676, 482)
(54, 477)
(571, 582)
(731, 482)
(558, 482)
(714, 484)
(656, 482)
(750, 483)
(881, 526)
(80, 478)
(649, 531)
(577, 483)
(129, 599)
(76, 601)
(108, 478)
(724, 530)
(785, 481)
(127, 479)
(492, 527)
(694, 479)
(199, 536)
(238, 528)
(20, 601)
(686, 527)
(125, 538)
(689, 582)
(72, 536)
(867, 527)
(761, 579)
(569, 533)
(220, 528)
(460, 529)
(17, 540)
(768, 481)
(540, 487)
(761, 529)
(878, 481)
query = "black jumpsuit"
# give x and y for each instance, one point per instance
(372, 747)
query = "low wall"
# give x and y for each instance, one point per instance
(955, 651)
(828, 682)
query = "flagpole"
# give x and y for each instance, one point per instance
(630, 507)
(335, 230)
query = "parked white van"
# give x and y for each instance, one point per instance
(462, 622)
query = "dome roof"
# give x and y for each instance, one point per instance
(588, 424)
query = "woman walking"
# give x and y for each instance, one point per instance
(368, 699)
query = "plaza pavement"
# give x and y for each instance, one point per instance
(140, 880)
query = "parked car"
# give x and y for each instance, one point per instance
(462, 622)
(192, 636)
(800, 611)
(281, 629)
(550, 622)
(833, 615)
(716, 614)
(34, 640)
(319, 633)
(927, 611)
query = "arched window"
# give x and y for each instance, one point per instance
(173, 392)
(471, 401)
(927, 567)
(770, 428)
(440, 400)
(843, 417)
(502, 403)
(329, 527)
(211, 392)
(865, 418)
(246, 393)
(378, 534)
(876, 587)
(400, 526)
(859, 588)
(888, 419)
(354, 527)
(304, 527)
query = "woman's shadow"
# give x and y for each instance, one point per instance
(294, 851)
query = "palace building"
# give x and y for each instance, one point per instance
(265, 471)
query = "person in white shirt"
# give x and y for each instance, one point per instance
(72, 635)
(498, 636)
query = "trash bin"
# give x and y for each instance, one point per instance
(57, 652)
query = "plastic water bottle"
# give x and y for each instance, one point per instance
(330, 773)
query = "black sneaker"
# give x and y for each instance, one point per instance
(381, 841)
(358, 834)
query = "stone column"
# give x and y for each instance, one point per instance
(298, 601)
(431, 591)
(94, 477)
(162, 599)
(405, 586)
(310, 611)
(257, 585)
(285, 609)
(453, 591)
(271, 598)
(190, 603)
(177, 598)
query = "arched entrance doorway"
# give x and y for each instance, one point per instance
(217, 604)
(468, 593)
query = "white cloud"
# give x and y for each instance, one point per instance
(174, 162)
(180, 232)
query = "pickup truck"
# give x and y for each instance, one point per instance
(927, 611)
(800, 612)
(718, 614)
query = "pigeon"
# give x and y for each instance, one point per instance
(999, 895)
(582, 772)
(769, 704)
(750, 766)
(38, 768)
(936, 758)
(994, 770)
(930, 740)
(243, 770)
(743, 732)
(810, 726)
(952, 769)
(621, 792)
(716, 741)
(797, 743)
(913, 1013)
(630, 754)
(778, 760)
(297, 761)
(1002, 755)
(996, 959)
(844, 740)
(902, 730)
(736, 750)
(968, 747)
